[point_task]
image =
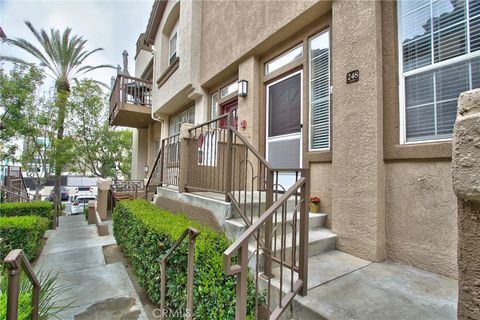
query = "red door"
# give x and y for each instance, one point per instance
(230, 106)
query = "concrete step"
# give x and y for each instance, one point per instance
(342, 286)
(254, 203)
(320, 240)
(236, 226)
(322, 268)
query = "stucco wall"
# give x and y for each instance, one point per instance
(421, 216)
(139, 152)
(182, 86)
(321, 185)
(358, 191)
(141, 61)
(230, 29)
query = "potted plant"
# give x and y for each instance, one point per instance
(314, 203)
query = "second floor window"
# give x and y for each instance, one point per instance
(172, 52)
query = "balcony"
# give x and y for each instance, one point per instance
(131, 102)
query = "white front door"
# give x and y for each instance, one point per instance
(284, 126)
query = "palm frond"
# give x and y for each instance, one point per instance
(86, 69)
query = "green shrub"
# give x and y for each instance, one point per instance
(145, 232)
(36, 208)
(50, 290)
(22, 233)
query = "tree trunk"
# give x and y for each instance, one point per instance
(63, 92)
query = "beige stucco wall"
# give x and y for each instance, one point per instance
(139, 152)
(421, 216)
(321, 185)
(154, 133)
(251, 26)
(358, 190)
(141, 61)
(182, 86)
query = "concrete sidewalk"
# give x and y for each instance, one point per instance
(96, 290)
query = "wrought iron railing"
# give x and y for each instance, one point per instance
(208, 154)
(166, 169)
(130, 186)
(16, 261)
(129, 90)
(192, 235)
(271, 201)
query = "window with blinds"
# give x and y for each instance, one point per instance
(319, 80)
(440, 42)
(187, 116)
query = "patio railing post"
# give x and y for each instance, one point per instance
(268, 226)
(304, 228)
(184, 159)
(228, 160)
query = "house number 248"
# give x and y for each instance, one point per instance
(353, 76)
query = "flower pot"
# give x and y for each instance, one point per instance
(314, 207)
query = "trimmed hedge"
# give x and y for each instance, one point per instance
(22, 233)
(36, 208)
(145, 232)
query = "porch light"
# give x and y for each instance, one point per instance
(146, 168)
(242, 88)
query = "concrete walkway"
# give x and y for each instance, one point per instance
(95, 290)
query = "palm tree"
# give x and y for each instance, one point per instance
(62, 56)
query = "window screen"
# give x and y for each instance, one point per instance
(284, 107)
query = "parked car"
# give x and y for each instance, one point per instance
(63, 195)
(83, 191)
(81, 203)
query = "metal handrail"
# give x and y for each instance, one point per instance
(259, 222)
(192, 235)
(223, 116)
(240, 247)
(16, 261)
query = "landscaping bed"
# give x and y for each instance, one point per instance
(145, 232)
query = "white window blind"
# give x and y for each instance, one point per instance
(172, 54)
(319, 77)
(440, 42)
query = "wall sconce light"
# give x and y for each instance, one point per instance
(242, 88)
(146, 169)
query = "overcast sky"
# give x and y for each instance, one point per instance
(112, 25)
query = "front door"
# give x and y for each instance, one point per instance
(230, 106)
(284, 126)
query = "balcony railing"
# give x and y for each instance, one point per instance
(129, 90)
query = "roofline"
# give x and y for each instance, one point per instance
(156, 14)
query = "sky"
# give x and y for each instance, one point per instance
(112, 25)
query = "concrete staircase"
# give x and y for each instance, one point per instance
(321, 239)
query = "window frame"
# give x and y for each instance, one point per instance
(174, 53)
(430, 67)
(309, 61)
